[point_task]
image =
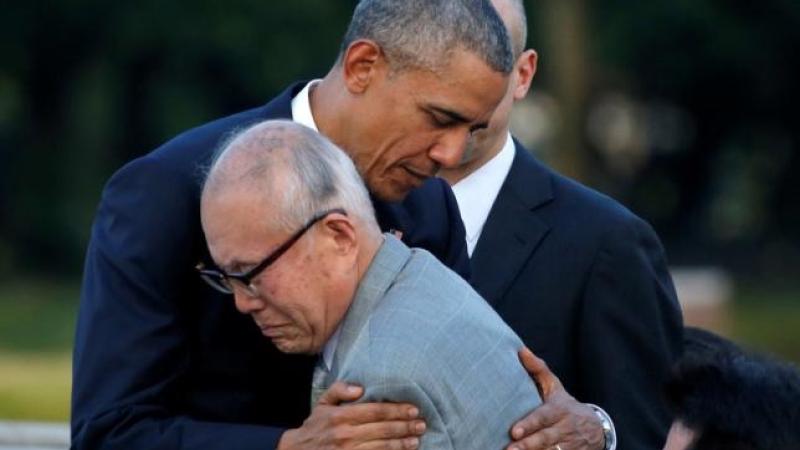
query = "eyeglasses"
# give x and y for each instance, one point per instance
(225, 282)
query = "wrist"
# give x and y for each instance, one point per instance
(609, 432)
(285, 442)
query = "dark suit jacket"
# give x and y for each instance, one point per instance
(584, 282)
(161, 360)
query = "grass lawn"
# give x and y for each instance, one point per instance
(37, 319)
(768, 320)
(35, 387)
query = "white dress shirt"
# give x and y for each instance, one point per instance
(301, 107)
(476, 193)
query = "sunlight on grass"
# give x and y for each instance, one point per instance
(772, 327)
(35, 387)
(37, 321)
(38, 315)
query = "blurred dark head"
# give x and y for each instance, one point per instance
(726, 399)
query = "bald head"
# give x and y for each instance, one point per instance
(512, 12)
(290, 228)
(291, 170)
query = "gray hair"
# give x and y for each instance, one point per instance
(299, 172)
(421, 34)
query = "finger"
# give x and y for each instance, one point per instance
(541, 418)
(341, 392)
(389, 430)
(544, 439)
(538, 369)
(396, 444)
(364, 413)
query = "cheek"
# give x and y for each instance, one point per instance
(414, 147)
(283, 295)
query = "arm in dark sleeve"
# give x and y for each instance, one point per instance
(131, 349)
(631, 332)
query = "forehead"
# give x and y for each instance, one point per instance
(464, 82)
(237, 227)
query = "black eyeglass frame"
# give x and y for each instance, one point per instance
(221, 280)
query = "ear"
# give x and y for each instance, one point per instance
(526, 70)
(340, 232)
(360, 64)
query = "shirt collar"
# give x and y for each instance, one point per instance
(330, 348)
(476, 193)
(301, 106)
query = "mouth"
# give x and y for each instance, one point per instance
(271, 331)
(418, 174)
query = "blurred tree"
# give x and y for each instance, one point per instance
(87, 85)
(730, 65)
(564, 59)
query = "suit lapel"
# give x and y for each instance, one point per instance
(513, 229)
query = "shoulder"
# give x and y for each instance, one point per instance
(429, 316)
(188, 152)
(187, 155)
(172, 174)
(574, 207)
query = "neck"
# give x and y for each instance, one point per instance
(327, 100)
(367, 252)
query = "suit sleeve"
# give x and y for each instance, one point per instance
(131, 342)
(631, 332)
(436, 436)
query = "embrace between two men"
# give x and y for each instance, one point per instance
(162, 360)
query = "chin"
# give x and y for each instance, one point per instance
(292, 347)
(391, 195)
(394, 190)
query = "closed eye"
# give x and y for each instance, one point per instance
(440, 120)
(446, 118)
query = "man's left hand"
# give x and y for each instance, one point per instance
(560, 421)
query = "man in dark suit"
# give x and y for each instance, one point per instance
(161, 360)
(580, 278)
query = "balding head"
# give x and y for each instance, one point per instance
(291, 170)
(512, 12)
(290, 227)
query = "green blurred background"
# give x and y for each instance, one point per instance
(685, 110)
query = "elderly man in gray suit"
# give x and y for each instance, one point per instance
(390, 318)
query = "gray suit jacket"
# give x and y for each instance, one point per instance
(416, 332)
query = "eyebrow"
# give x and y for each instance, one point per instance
(449, 113)
(458, 117)
(236, 266)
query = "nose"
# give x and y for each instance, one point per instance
(449, 150)
(247, 303)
